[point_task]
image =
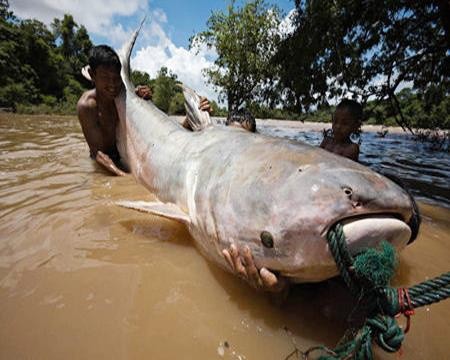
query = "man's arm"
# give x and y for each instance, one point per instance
(87, 115)
(108, 164)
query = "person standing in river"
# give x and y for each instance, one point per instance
(347, 119)
(97, 111)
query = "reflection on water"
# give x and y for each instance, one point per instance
(82, 278)
(425, 172)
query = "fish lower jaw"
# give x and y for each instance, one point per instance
(368, 232)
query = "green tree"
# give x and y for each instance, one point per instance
(18, 78)
(35, 70)
(245, 39)
(141, 78)
(5, 14)
(74, 44)
(165, 87)
(176, 106)
(41, 55)
(367, 48)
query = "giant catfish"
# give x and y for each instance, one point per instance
(229, 186)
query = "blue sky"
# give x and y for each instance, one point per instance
(165, 37)
(188, 17)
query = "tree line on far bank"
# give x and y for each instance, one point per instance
(273, 74)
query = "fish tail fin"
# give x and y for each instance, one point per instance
(124, 55)
(197, 119)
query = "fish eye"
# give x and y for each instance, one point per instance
(348, 191)
(266, 239)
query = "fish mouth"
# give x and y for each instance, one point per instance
(362, 232)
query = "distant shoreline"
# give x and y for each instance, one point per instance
(319, 126)
(302, 126)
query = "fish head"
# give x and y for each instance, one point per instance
(291, 218)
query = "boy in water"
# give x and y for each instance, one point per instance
(346, 120)
(97, 111)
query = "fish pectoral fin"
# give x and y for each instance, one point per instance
(167, 210)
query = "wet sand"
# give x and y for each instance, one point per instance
(83, 278)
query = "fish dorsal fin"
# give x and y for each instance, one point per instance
(167, 210)
(197, 119)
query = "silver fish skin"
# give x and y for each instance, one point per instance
(229, 186)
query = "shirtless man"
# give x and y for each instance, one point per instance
(97, 111)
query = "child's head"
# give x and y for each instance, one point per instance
(244, 118)
(347, 119)
(104, 70)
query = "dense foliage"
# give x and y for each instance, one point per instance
(245, 39)
(38, 66)
(368, 50)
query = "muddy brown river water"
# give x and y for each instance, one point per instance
(81, 278)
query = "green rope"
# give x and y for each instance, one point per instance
(430, 291)
(342, 257)
(367, 276)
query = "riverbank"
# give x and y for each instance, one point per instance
(309, 125)
(302, 126)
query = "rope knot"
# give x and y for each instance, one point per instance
(388, 334)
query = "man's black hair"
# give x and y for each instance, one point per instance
(353, 107)
(243, 117)
(103, 55)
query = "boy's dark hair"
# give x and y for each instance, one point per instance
(353, 107)
(103, 55)
(243, 117)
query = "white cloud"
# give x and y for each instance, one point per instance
(187, 64)
(96, 15)
(160, 15)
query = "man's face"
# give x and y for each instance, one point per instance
(107, 81)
